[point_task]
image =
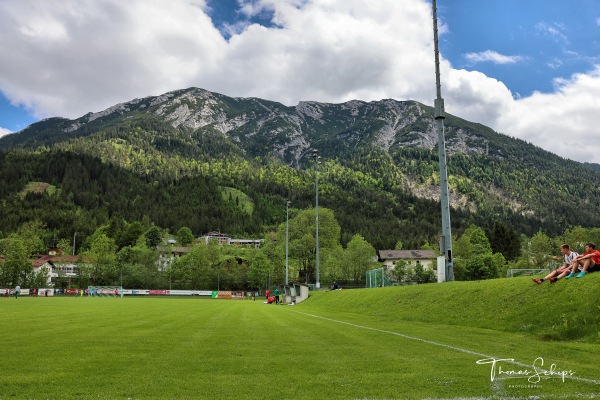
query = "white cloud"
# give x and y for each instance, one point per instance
(69, 57)
(555, 31)
(4, 131)
(562, 122)
(492, 56)
(251, 8)
(473, 96)
(555, 63)
(333, 51)
(97, 54)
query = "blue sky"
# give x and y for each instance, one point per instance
(549, 39)
(14, 117)
(530, 69)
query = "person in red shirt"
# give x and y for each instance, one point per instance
(589, 261)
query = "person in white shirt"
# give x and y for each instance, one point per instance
(568, 258)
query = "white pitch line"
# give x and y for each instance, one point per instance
(459, 349)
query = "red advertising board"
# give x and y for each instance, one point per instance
(158, 292)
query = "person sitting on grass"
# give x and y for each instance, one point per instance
(564, 269)
(566, 272)
(589, 261)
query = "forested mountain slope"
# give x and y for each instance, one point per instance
(168, 160)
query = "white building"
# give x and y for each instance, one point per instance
(426, 258)
(55, 266)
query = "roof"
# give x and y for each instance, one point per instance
(216, 234)
(54, 260)
(406, 254)
(40, 261)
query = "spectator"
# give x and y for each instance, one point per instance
(589, 261)
(563, 270)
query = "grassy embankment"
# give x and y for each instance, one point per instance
(566, 310)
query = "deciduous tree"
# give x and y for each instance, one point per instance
(259, 270)
(302, 235)
(153, 237)
(540, 247)
(34, 235)
(16, 265)
(184, 237)
(102, 256)
(359, 258)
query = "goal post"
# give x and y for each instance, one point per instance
(105, 291)
(379, 277)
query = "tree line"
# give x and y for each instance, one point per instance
(135, 255)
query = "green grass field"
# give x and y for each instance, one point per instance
(414, 342)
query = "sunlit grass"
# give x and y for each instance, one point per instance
(566, 310)
(245, 203)
(155, 348)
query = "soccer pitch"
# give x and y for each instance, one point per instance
(174, 348)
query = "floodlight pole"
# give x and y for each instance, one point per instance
(317, 158)
(446, 242)
(74, 237)
(287, 236)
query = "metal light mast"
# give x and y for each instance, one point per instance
(317, 158)
(287, 235)
(446, 242)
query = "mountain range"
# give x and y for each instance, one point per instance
(212, 162)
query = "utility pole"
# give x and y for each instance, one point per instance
(446, 240)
